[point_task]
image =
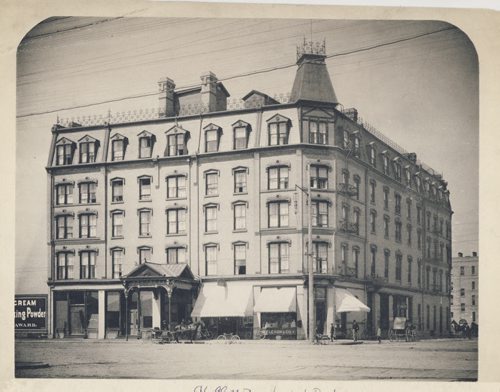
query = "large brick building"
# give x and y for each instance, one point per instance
(203, 197)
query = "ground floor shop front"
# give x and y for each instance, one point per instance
(162, 297)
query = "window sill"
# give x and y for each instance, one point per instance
(216, 195)
(118, 238)
(240, 230)
(145, 236)
(175, 234)
(239, 193)
(211, 232)
(176, 198)
(118, 202)
(145, 200)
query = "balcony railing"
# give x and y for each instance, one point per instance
(348, 227)
(345, 270)
(347, 189)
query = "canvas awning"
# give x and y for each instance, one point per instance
(345, 301)
(276, 300)
(230, 300)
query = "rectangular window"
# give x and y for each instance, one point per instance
(212, 141)
(145, 223)
(278, 257)
(145, 255)
(386, 265)
(240, 138)
(372, 192)
(277, 177)
(473, 270)
(64, 154)
(240, 259)
(176, 187)
(397, 206)
(278, 134)
(88, 192)
(88, 225)
(87, 265)
(145, 188)
(398, 231)
(65, 265)
(386, 227)
(278, 214)
(419, 273)
(176, 255)
(212, 184)
(319, 213)
(117, 259)
(117, 222)
(398, 267)
(373, 222)
(64, 194)
(117, 191)
(176, 145)
(408, 209)
(462, 271)
(319, 177)
(211, 260)
(176, 221)
(386, 198)
(473, 285)
(419, 239)
(355, 258)
(145, 147)
(240, 211)
(419, 215)
(317, 132)
(64, 227)
(118, 150)
(462, 307)
(373, 263)
(240, 181)
(320, 257)
(473, 317)
(373, 160)
(385, 161)
(410, 262)
(87, 152)
(211, 219)
(408, 228)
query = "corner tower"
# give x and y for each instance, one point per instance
(312, 81)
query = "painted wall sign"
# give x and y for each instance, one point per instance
(30, 313)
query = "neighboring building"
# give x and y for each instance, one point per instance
(465, 291)
(204, 197)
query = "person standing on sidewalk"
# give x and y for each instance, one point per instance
(355, 329)
(379, 335)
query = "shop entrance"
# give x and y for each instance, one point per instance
(384, 312)
(76, 314)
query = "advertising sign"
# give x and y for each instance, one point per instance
(30, 313)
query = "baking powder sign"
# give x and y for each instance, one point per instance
(30, 313)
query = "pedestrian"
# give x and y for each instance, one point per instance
(332, 332)
(355, 329)
(379, 335)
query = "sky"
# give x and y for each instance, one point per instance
(415, 81)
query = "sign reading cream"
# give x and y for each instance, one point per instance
(30, 313)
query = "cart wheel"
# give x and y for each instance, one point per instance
(235, 339)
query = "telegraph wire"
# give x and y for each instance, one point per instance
(246, 74)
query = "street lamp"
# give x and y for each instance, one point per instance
(310, 295)
(169, 286)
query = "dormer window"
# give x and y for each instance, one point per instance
(278, 128)
(146, 142)
(397, 168)
(177, 138)
(212, 138)
(356, 146)
(241, 132)
(118, 146)
(385, 163)
(373, 155)
(64, 152)
(88, 149)
(345, 140)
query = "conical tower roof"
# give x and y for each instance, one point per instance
(312, 81)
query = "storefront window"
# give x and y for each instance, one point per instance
(76, 313)
(113, 315)
(279, 325)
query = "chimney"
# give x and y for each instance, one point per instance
(474, 254)
(166, 97)
(460, 254)
(209, 91)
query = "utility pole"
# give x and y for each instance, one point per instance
(310, 295)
